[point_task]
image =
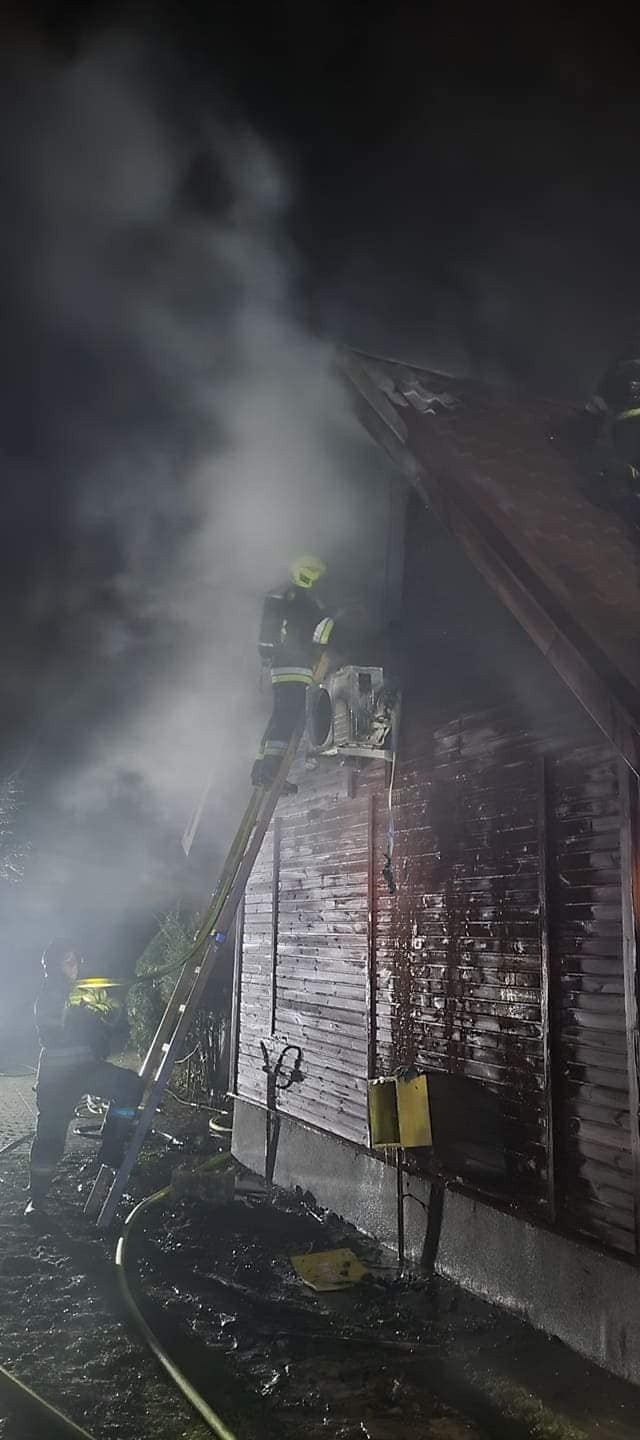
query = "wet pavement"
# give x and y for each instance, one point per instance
(17, 1105)
(60, 1324)
(388, 1359)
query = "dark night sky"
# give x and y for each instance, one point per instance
(465, 177)
(463, 193)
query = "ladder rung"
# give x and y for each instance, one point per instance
(232, 885)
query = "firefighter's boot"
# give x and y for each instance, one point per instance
(116, 1132)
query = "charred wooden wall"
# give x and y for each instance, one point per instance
(459, 977)
(595, 1093)
(304, 961)
(505, 961)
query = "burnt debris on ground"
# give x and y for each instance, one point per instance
(217, 1286)
(386, 1359)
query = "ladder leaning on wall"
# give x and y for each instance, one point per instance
(198, 967)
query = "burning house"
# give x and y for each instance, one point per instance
(465, 904)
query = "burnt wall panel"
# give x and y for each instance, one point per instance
(322, 953)
(255, 975)
(594, 1170)
(505, 822)
(458, 947)
(320, 984)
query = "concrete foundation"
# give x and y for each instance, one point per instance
(587, 1299)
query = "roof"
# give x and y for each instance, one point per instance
(488, 462)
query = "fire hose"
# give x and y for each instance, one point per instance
(21, 1395)
(204, 1410)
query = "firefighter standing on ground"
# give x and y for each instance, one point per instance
(294, 632)
(74, 1023)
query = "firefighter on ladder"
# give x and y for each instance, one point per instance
(293, 633)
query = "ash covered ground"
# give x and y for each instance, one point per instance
(387, 1359)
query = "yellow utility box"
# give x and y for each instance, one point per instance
(399, 1113)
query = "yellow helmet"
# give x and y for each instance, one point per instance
(98, 994)
(306, 570)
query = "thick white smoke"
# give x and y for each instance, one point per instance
(197, 441)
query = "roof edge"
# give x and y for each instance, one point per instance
(602, 691)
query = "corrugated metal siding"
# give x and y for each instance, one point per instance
(594, 1176)
(458, 949)
(320, 992)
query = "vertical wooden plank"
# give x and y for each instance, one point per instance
(546, 990)
(275, 917)
(371, 979)
(234, 1037)
(630, 865)
(588, 996)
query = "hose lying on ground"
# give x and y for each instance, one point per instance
(20, 1395)
(188, 1390)
(60, 1424)
(13, 1144)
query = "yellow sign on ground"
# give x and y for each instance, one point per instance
(329, 1269)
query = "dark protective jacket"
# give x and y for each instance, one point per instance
(70, 1035)
(301, 629)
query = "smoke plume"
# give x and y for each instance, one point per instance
(171, 437)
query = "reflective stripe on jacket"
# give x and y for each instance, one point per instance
(322, 632)
(291, 675)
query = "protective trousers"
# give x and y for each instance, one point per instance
(58, 1091)
(289, 704)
